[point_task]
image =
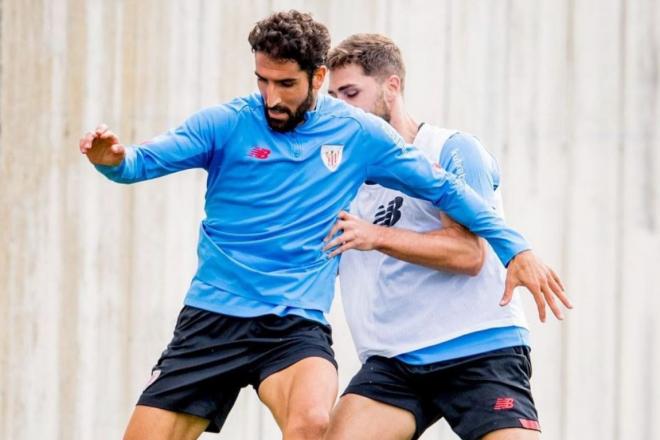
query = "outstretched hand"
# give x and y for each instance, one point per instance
(102, 147)
(526, 269)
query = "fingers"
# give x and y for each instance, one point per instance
(534, 289)
(335, 228)
(86, 142)
(117, 149)
(343, 248)
(343, 215)
(542, 282)
(550, 300)
(109, 137)
(101, 131)
(558, 291)
(101, 128)
(347, 236)
(508, 290)
(341, 243)
(338, 241)
(539, 299)
(339, 225)
(556, 278)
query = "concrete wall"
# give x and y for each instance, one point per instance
(566, 93)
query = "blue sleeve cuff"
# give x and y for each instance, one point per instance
(118, 173)
(505, 241)
(508, 255)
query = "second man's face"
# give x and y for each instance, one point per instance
(351, 85)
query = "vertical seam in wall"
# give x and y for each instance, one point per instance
(128, 207)
(388, 18)
(4, 376)
(505, 86)
(651, 190)
(534, 107)
(650, 133)
(447, 62)
(619, 230)
(567, 212)
(200, 55)
(1, 66)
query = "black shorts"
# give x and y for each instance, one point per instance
(476, 394)
(212, 356)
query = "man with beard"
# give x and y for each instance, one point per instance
(281, 163)
(421, 295)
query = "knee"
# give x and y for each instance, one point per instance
(310, 424)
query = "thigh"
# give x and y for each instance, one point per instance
(199, 374)
(299, 371)
(361, 418)
(391, 383)
(301, 396)
(484, 394)
(148, 423)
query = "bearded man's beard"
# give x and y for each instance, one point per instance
(294, 118)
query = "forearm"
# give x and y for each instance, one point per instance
(465, 206)
(414, 175)
(191, 145)
(169, 154)
(142, 163)
(445, 249)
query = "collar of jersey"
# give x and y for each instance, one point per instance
(312, 115)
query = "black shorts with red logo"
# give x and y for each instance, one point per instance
(475, 394)
(212, 356)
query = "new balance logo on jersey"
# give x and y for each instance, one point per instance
(259, 153)
(390, 215)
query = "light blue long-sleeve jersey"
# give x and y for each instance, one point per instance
(272, 197)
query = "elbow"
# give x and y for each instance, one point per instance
(475, 262)
(473, 269)
(467, 263)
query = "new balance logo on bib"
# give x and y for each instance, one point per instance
(390, 215)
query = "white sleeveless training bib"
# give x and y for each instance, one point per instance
(394, 307)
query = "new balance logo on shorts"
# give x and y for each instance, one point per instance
(390, 215)
(503, 403)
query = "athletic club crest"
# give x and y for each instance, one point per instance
(331, 156)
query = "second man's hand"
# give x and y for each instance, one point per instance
(525, 269)
(356, 234)
(102, 147)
